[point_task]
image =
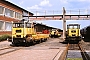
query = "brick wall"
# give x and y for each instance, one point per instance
(5, 18)
(5, 32)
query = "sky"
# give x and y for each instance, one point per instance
(54, 7)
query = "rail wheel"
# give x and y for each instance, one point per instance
(26, 44)
(14, 44)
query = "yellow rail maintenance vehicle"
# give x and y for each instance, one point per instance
(24, 32)
(54, 33)
(20, 32)
(73, 33)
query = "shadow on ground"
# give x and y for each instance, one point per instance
(86, 39)
(70, 42)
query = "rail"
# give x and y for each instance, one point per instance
(63, 55)
(84, 54)
(8, 51)
(5, 48)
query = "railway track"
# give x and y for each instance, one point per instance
(84, 54)
(78, 47)
(7, 50)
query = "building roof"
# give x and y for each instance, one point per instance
(45, 25)
(17, 6)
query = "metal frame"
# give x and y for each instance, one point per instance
(63, 17)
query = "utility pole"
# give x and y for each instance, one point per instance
(64, 24)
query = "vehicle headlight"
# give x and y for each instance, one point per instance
(24, 41)
(82, 37)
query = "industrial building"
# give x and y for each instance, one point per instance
(39, 27)
(10, 12)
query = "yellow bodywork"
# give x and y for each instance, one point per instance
(14, 33)
(26, 31)
(52, 32)
(43, 36)
(35, 37)
(23, 33)
(70, 33)
(59, 34)
(55, 33)
(73, 33)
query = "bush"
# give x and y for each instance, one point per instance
(4, 37)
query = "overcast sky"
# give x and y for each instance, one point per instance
(56, 5)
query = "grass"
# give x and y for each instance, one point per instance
(4, 37)
(74, 59)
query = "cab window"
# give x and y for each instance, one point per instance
(18, 25)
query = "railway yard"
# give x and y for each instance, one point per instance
(52, 49)
(22, 38)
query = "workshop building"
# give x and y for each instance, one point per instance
(10, 12)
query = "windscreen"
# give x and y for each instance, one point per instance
(28, 25)
(21, 25)
(73, 26)
(18, 25)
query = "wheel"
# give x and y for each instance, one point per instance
(38, 41)
(45, 39)
(13, 44)
(26, 43)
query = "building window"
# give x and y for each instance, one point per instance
(1, 9)
(8, 26)
(18, 15)
(25, 14)
(9, 13)
(1, 25)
